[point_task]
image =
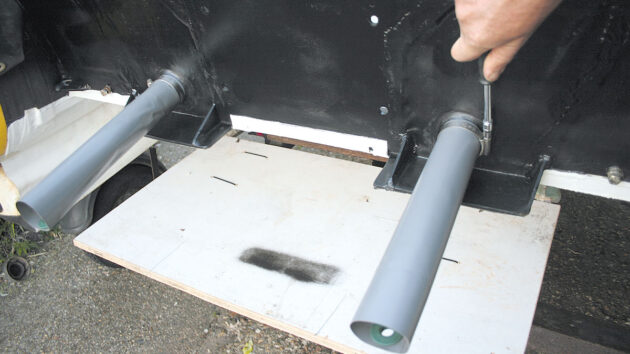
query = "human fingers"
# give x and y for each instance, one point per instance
(464, 51)
(500, 57)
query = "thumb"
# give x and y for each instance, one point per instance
(500, 57)
(463, 51)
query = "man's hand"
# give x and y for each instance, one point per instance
(498, 26)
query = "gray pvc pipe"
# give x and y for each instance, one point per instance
(391, 308)
(44, 205)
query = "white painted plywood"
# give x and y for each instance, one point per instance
(188, 229)
(585, 183)
(372, 146)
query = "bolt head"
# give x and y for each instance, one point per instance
(615, 174)
(106, 90)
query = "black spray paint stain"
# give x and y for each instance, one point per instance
(295, 267)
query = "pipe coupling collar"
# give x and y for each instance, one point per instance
(465, 121)
(175, 81)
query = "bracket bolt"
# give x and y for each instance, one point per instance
(615, 174)
(106, 90)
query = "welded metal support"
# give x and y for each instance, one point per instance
(192, 130)
(44, 205)
(391, 307)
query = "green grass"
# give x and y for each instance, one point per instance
(12, 243)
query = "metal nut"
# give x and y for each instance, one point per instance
(615, 174)
(106, 90)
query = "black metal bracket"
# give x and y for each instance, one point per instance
(490, 190)
(68, 84)
(193, 130)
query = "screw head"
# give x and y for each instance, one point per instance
(384, 110)
(149, 82)
(615, 174)
(3, 66)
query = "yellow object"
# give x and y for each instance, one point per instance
(248, 347)
(3, 133)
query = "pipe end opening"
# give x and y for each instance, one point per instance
(32, 217)
(384, 336)
(380, 336)
(16, 268)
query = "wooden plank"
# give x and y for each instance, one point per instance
(285, 140)
(585, 183)
(368, 145)
(189, 229)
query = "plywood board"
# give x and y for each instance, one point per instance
(585, 183)
(190, 227)
(368, 145)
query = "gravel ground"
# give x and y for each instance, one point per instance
(72, 304)
(588, 270)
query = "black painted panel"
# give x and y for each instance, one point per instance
(322, 64)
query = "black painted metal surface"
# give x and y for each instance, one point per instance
(11, 45)
(191, 129)
(325, 64)
(487, 189)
